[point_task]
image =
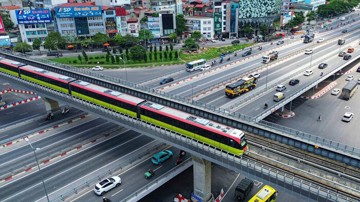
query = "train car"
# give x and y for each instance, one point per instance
(212, 133)
(265, 194)
(105, 97)
(10, 67)
(46, 78)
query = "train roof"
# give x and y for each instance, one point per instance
(11, 62)
(47, 73)
(107, 91)
(232, 132)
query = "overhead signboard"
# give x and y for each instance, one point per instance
(33, 16)
(78, 11)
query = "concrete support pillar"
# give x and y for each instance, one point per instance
(51, 105)
(282, 108)
(202, 180)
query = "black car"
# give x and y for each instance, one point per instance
(222, 39)
(235, 42)
(347, 57)
(293, 82)
(344, 31)
(322, 66)
(246, 53)
(358, 69)
(342, 53)
(166, 80)
(54, 54)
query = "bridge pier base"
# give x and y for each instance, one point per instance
(202, 180)
(51, 105)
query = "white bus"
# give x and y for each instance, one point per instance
(195, 65)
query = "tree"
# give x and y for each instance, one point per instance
(160, 56)
(8, 24)
(36, 44)
(297, 20)
(137, 53)
(22, 47)
(145, 58)
(248, 30)
(167, 48)
(100, 38)
(160, 48)
(145, 35)
(80, 58)
(170, 55)
(155, 55)
(112, 59)
(173, 36)
(85, 55)
(117, 58)
(144, 20)
(176, 55)
(127, 51)
(180, 24)
(107, 58)
(150, 56)
(196, 35)
(310, 16)
(151, 49)
(171, 47)
(118, 39)
(190, 43)
(155, 49)
(85, 42)
(54, 41)
(114, 50)
(165, 55)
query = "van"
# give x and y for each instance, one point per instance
(350, 50)
(243, 189)
(278, 96)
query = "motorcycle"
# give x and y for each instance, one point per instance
(49, 116)
(235, 54)
(180, 158)
(228, 59)
(265, 106)
(65, 110)
(149, 174)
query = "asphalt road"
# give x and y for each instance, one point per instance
(63, 172)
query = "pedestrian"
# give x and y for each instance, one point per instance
(319, 118)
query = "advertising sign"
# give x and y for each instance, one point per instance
(78, 11)
(154, 26)
(2, 27)
(33, 16)
(217, 22)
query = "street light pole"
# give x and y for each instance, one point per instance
(267, 73)
(37, 162)
(123, 59)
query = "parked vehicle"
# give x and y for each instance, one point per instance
(243, 189)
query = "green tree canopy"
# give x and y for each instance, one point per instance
(297, 20)
(137, 52)
(173, 36)
(54, 41)
(144, 20)
(100, 38)
(310, 16)
(36, 44)
(145, 35)
(196, 35)
(8, 24)
(190, 43)
(336, 7)
(180, 24)
(126, 41)
(22, 47)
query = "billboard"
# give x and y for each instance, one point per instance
(2, 27)
(217, 22)
(154, 26)
(78, 11)
(33, 16)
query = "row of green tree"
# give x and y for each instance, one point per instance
(337, 7)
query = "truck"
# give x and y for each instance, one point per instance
(349, 89)
(241, 86)
(270, 57)
(243, 189)
(309, 38)
(341, 41)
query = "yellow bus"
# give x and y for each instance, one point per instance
(266, 194)
(241, 86)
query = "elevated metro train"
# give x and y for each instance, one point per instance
(217, 135)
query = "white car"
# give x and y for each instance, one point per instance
(97, 68)
(308, 72)
(207, 66)
(347, 117)
(320, 40)
(359, 81)
(280, 88)
(335, 91)
(349, 77)
(255, 75)
(106, 185)
(308, 51)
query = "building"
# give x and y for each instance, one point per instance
(121, 20)
(79, 19)
(110, 21)
(112, 2)
(48, 3)
(205, 25)
(33, 24)
(133, 26)
(315, 3)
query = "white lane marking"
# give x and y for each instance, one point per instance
(71, 168)
(231, 185)
(117, 192)
(23, 113)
